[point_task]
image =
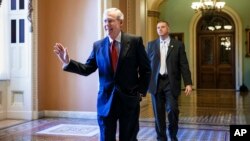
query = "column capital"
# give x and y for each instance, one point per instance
(152, 13)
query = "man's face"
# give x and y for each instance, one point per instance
(162, 29)
(112, 25)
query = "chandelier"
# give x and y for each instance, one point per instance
(208, 6)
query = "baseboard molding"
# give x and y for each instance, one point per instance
(70, 114)
(25, 115)
(2, 115)
(76, 114)
(38, 114)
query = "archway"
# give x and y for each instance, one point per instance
(215, 52)
(238, 45)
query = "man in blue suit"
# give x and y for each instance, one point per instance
(124, 75)
(168, 63)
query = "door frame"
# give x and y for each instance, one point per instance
(238, 46)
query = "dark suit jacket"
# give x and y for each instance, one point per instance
(177, 65)
(132, 75)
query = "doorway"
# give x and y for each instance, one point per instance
(216, 52)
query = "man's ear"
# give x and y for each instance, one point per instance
(121, 22)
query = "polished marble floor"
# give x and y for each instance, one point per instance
(204, 116)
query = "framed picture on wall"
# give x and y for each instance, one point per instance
(247, 42)
(178, 36)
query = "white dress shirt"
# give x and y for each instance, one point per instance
(164, 50)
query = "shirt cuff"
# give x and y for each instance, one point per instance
(65, 65)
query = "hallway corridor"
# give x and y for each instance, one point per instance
(204, 116)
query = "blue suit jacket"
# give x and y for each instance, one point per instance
(132, 75)
(176, 62)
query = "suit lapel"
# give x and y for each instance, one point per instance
(106, 52)
(170, 47)
(158, 52)
(125, 45)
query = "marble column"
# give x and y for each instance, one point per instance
(153, 17)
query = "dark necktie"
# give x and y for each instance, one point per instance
(114, 55)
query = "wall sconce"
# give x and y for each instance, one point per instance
(211, 28)
(218, 27)
(228, 27)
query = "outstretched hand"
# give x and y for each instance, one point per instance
(62, 53)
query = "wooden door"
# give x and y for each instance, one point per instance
(216, 62)
(215, 52)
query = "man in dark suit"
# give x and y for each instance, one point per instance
(124, 75)
(168, 64)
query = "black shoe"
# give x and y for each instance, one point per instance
(174, 139)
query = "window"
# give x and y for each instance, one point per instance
(21, 30)
(13, 35)
(248, 42)
(4, 49)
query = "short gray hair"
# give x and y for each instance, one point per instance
(118, 12)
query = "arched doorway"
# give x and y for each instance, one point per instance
(216, 52)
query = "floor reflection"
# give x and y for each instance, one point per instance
(204, 115)
(223, 107)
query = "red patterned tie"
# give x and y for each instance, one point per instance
(114, 55)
